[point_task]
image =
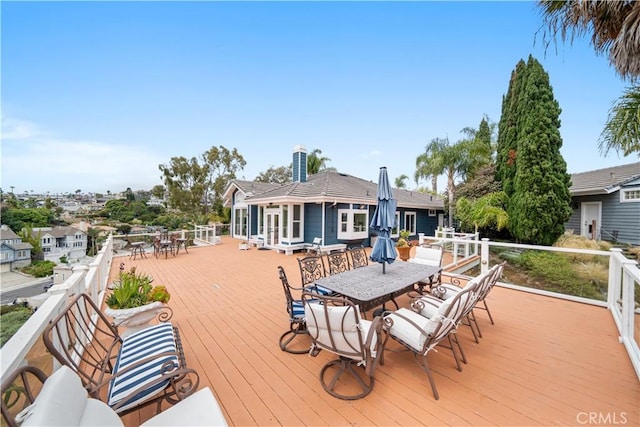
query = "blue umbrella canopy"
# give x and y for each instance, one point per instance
(383, 221)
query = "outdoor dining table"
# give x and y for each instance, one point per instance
(369, 287)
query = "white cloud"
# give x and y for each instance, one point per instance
(13, 128)
(35, 162)
(374, 153)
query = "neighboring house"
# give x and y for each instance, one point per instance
(333, 206)
(606, 204)
(13, 252)
(62, 241)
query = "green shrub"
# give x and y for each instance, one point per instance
(40, 268)
(12, 320)
(558, 274)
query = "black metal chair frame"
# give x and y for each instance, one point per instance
(297, 324)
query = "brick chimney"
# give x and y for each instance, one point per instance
(299, 163)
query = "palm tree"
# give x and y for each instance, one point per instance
(622, 130)
(400, 181)
(315, 163)
(615, 31)
(429, 163)
(454, 161)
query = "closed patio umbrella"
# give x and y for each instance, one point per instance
(383, 221)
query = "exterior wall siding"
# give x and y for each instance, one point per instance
(618, 218)
(312, 221)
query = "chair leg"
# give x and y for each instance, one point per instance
(453, 338)
(473, 329)
(486, 307)
(346, 366)
(472, 318)
(424, 364)
(294, 331)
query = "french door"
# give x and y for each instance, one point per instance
(272, 230)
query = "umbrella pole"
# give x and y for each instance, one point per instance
(383, 267)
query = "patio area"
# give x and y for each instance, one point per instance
(545, 362)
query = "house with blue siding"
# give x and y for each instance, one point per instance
(606, 204)
(333, 206)
(14, 253)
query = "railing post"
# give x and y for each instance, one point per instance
(484, 255)
(615, 278)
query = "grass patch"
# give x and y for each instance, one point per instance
(40, 268)
(11, 319)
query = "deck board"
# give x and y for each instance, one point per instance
(544, 361)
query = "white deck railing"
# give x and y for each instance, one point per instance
(90, 279)
(624, 279)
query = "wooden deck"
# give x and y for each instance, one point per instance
(545, 362)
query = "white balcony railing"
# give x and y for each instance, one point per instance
(90, 279)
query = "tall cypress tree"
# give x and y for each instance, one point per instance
(506, 150)
(540, 204)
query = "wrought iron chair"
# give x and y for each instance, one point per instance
(312, 269)
(338, 262)
(428, 255)
(145, 367)
(297, 322)
(446, 290)
(424, 326)
(335, 325)
(358, 257)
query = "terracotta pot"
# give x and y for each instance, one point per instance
(403, 252)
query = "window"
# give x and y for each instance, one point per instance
(285, 221)
(296, 232)
(353, 224)
(240, 222)
(432, 212)
(630, 195)
(410, 222)
(261, 220)
(395, 232)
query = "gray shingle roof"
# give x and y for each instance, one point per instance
(7, 234)
(603, 181)
(338, 187)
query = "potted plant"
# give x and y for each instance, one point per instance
(134, 301)
(402, 245)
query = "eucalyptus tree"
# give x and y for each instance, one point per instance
(615, 32)
(193, 186)
(276, 175)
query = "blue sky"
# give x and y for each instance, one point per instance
(96, 95)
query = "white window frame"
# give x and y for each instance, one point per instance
(407, 215)
(351, 234)
(432, 212)
(625, 191)
(288, 227)
(395, 231)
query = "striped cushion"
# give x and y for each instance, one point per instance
(298, 309)
(315, 289)
(148, 342)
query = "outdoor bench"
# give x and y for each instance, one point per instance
(145, 367)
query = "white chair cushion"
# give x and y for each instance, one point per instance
(408, 333)
(434, 306)
(148, 342)
(427, 256)
(63, 401)
(341, 330)
(366, 325)
(199, 409)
